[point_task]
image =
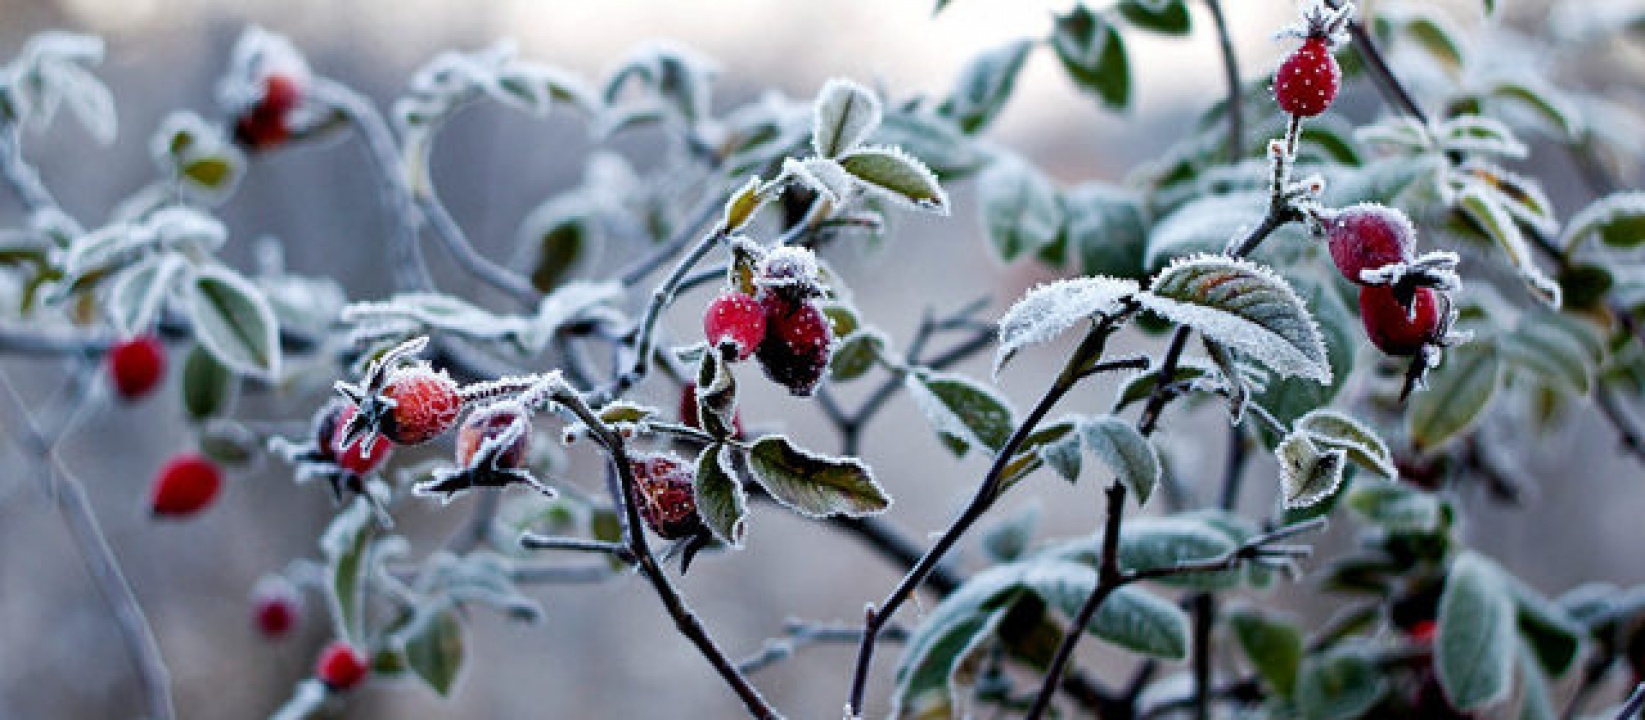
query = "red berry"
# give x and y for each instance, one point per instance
(136, 365)
(1391, 327)
(797, 343)
(489, 422)
(735, 318)
(185, 485)
(353, 458)
(1308, 79)
(277, 607)
(664, 495)
(426, 405)
(690, 418)
(341, 667)
(1423, 632)
(1367, 237)
(268, 123)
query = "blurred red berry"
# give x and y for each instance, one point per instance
(798, 342)
(1366, 237)
(1423, 632)
(1308, 79)
(665, 496)
(426, 405)
(267, 123)
(340, 666)
(136, 365)
(1392, 327)
(185, 485)
(735, 318)
(277, 607)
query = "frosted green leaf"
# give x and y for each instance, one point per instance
(1338, 685)
(894, 174)
(1365, 448)
(985, 84)
(1617, 220)
(139, 292)
(1457, 395)
(1493, 217)
(1125, 452)
(845, 113)
(721, 501)
(233, 321)
(1470, 134)
(1244, 306)
(815, 485)
(962, 408)
(1019, 207)
(1048, 310)
(1474, 650)
(1308, 473)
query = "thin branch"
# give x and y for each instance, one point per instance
(661, 298)
(1234, 108)
(1387, 82)
(461, 250)
(1635, 701)
(1233, 469)
(683, 236)
(533, 541)
(802, 635)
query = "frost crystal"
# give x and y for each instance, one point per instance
(1048, 310)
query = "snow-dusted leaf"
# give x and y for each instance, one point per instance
(823, 175)
(1553, 352)
(1457, 395)
(1490, 213)
(1168, 17)
(1474, 650)
(1479, 134)
(897, 175)
(436, 311)
(1106, 228)
(934, 139)
(1522, 196)
(1058, 445)
(1308, 473)
(1048, 310)
(1618, 220)
(985, 84)
(815, 485)
(1542, 100)
(1273, 647)
(845, 114)
(344, 544)
(1126, 452)
(1130, 617)
(233, 320)
(720, 497)
(138, 294)
(1202, 226)
(1397, 507)
(1244, 306)
(1093, 53)
(957, 625)
(1399, 132)
(1019, 207)
(1138, 386)
(433, 646)
(856, 354)
(1365, 448)
(1163, 542)
(962, 408)
(567, 304)
(1341, 684)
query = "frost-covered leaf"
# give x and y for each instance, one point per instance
(845, 114)
(1479, 134)
(1163, 542)
(1521, 196)
(434, 648)
(139, 293)
(1399, 132)
(1202, 226)
(1009, 539)
(1497, 222)
(1058, 445)
(741, 206)
(856, 354)
(1291, 398)
(1019, 207)
(985, 84)
(1137, 387)
(897, 175)
(1130, 617)
(567, 304)
(1093, 53)
(1048, 310)
(1398, 508)
(815, 485)
(1550, 635)
(1308, 473)
(1274, 647)
(1168, 17)
(962, 408)
(1244, 306)
(233, 321)
(344, 544)
(1338, 685)
(1551, 351)
(1364, 447)
(951, 630)
(439, 312)
(207, 385)
(1618, 220)
(1542, 100)
(720, 498)
(1474, 650)
(934, 139)
(1106, 228)
(51, 72)
(1125, 452)
(1457, 395)
(197, 156)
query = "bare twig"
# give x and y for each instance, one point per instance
(1635, 701)
(1235, 105)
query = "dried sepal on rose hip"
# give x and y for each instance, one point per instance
(665, 495)
(136, 366)
(1308, 79)
(185, 485)
(493, 450)
(409, 403)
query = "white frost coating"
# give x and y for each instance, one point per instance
(1047, 310)
(1307, 474)
(1477, 134)
(1245, 306)
(845, 114)
(943, 418)
(1126, 452)
(1500, 226)
(893, 174)
(1337, 430)
(1602, 212)
(1400, 132)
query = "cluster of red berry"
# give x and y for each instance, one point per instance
(188, 482)
(780, 324)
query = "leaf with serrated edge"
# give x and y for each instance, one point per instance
(1048, 310)
(1364, 447)
(1307, 472)
(1126, 452)
(1474, 650)
(233, 320)
(1618, 220)
(845, 114)
(1457, 395)
(961, 407)
(1244, 306)
(898, 176)
(720, 498)
(815, 485)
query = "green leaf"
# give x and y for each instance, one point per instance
(434, 649)
(1273, 647)
(1308, 473)
(207, 385)
(1058, 445)
(897, 175)
(1106, 227)
(855, 355)
(1474, 651)
(1535, 702)
(1163, 542)
(1457, 395)
(1019, 207)
(1364, 447)
(1542, 100)
(344, 544)
(720, 498)
(1522, 197)
(934, 139)
(1551, 352)
(1009, 539)
(234, 322)
(1399, 509)
(815, 485)
(1244, 306)
(1437, 37)
(1129, 617)
(1549, 634)
(139, 292)
(1168, 17)
(1618, 220)
(1338, 685)
(963, 408)
(1126, 452)
(985, 84)
(1291, 398)
(1093, 53)
(560, 248)
(1487, 211)
(845, 114)
(954, 628)
(1468, 134)
(1046, 311)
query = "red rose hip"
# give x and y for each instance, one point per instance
(1367, 237)
(1392, 327)
(352, 458)
(665, 496)
(426, 404)
(490, 422)
(1308, 79)
(798, 342)
(136, 366)
(340, 666)
(185, 485)
(737, 319)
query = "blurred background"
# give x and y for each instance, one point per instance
(607, 651)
